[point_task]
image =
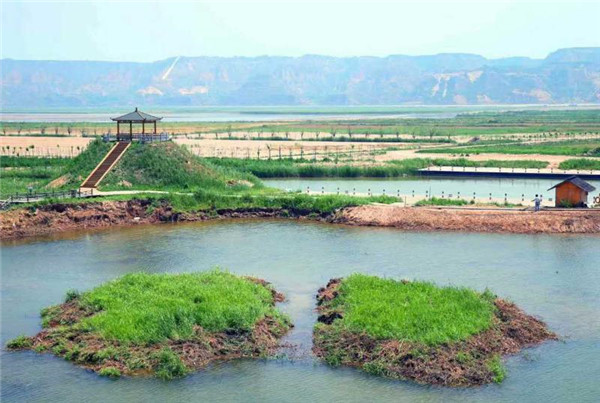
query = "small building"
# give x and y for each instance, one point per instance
(137, 117)
(572, 192)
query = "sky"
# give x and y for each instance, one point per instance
(144, 31)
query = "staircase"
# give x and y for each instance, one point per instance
(106, 165)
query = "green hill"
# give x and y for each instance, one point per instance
(158, 166)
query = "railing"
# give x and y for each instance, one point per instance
(141, 137)
(38, 196)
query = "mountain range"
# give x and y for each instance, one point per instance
(565, 76)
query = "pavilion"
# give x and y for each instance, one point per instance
(136, 117)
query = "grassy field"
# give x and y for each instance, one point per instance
(415, 311)
(569, 147)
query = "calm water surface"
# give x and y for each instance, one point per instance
(482, 187)
(554, 277)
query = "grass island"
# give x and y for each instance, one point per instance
(421, 332)
(162, 324)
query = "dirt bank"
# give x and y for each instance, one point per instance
(471, 362)
(59, 217)
(445, 219)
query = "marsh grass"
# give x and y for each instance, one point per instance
(419, 312)
(580, 163)
(151, 308)
(436, 201)
(568, 147)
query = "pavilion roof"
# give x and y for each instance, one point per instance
(580, 183)
(136, 117)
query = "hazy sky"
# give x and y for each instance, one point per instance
(147, 31)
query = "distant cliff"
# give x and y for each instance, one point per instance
(565, 76)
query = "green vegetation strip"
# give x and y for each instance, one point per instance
(569, 147)
(580, 163)
(309, 169)
(139, 323)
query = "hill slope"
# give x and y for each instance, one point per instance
(159, 166)
(565, 76)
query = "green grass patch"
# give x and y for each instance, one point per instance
(436, 201)
(580, 163)
(413, 311)
(150, 308)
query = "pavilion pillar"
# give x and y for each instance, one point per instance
(118, 127)
(143, 127)
(155, 127)
(130, 131)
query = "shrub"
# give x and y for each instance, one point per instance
(19, 342)
(497, 369)
(169, 365)
(110, 372)
(71, 295)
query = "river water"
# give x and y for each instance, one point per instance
(554, 277)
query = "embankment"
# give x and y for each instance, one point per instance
(59, 217)
(489, 220)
